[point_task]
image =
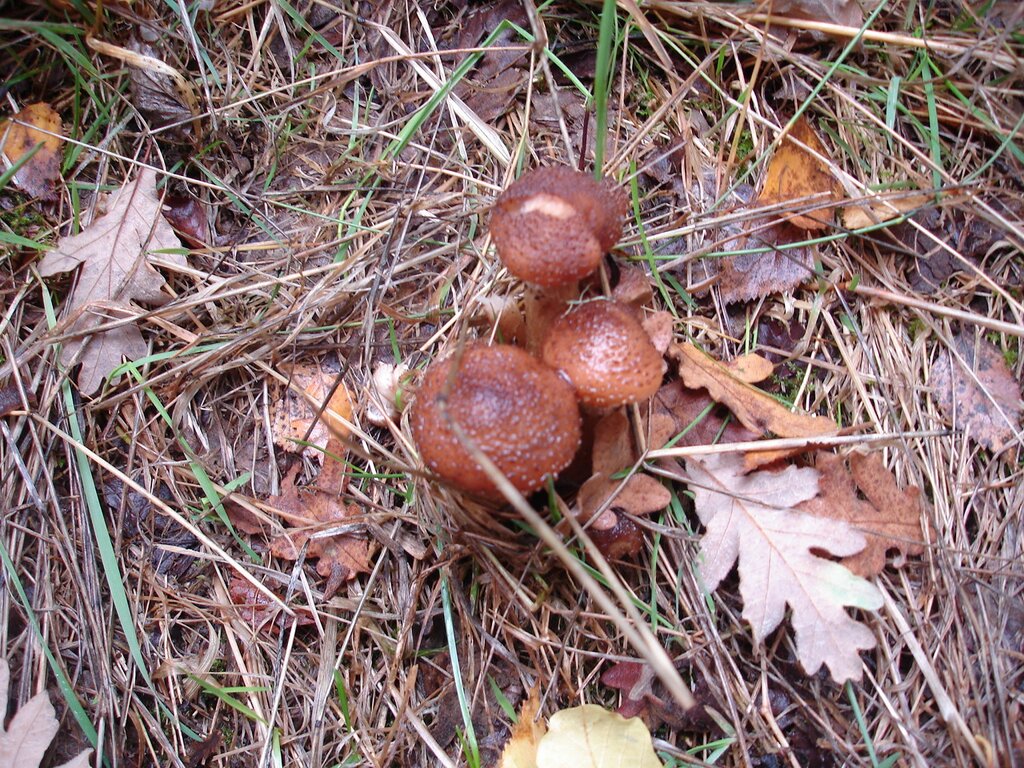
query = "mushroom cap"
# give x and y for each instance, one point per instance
(602, 348)
(553, 224)
(521, 414)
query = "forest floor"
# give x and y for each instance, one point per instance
(199, 573)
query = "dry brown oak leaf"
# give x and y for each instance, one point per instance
(756, 410)
(753, 518)
(974, 388)
(889, 519)
(114, 251)
(315, 513)
(24, 741)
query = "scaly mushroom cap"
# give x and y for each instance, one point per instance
(605, 352)
(552, 225)
(522, 415)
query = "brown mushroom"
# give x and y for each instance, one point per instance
(602, 348)
(552, 225)
(521, 414)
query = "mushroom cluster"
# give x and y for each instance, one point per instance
(551, 229)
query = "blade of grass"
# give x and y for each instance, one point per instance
(602, 81)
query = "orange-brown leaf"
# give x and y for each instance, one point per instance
(796, 175)
(757, 410)
(36, 124)
(889, 518)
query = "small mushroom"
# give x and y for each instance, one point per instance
(602, 348)
(521, 414)
(552, 225)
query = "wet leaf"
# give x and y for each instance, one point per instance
(975, 390)
(756, 410)
(795, 175)
(24, 741)
(890, 518)
(114, 252)
(753, 518)
(35, 124)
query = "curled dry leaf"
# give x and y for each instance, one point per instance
(35, 124)
(611, 500)
(24, 741)
(521, 749)
(643, 696)
(889, 518)
(754, 518)
(797, 175)
(757, 410)
(114, 251)
(974, 389)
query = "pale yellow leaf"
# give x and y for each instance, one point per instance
(521, 749)
(592, 737)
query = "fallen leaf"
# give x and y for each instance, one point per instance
(756, 410)
(491, 86)
(592, 737)
(318, 517)
(750, 368)
(869, 213)
(35, 124)
(693, 418)
(301, 421)
(259, 611)
(164, 97)
(775, 263)
(643, 696)
(753, 518)
(974, 389)
(610, 501)
(521, 749)
(848, 13)
(25, 740)
(116, 270)
(796, 175)
(188, 218)
(889, 519)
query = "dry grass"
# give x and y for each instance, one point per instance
(348, 226)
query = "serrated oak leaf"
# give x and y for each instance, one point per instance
(751, 518)
(114, 253)
(889, 518)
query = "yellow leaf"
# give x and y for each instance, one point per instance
(796, 175)
(35, 124)
(521, 749)
(592, 737)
